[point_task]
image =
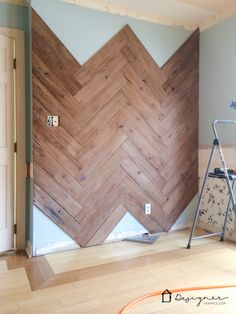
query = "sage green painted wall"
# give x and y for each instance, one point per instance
(218, 79)
(13, 16)
(84, 31)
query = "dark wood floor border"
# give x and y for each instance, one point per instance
(41, 276)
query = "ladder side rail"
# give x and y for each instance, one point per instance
(231, 193)
(226, 215)
(201, 195)
(223, 162)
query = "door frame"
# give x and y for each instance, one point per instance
(21, 165)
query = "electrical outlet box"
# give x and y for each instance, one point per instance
(53, 121)
(233, 104)
(147, 209)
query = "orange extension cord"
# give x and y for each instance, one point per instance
(157, 293)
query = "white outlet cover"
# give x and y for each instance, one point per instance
(147, 209)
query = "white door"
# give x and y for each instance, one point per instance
(6, 142)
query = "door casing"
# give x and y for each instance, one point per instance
(20, 122)
(7, 155)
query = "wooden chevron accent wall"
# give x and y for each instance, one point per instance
(128, 134)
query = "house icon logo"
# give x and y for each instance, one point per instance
(166, 296)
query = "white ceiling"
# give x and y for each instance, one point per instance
(188, 13)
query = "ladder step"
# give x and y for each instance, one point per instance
(208, 235)
(232, 177)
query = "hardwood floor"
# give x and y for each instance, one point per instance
(104, 279)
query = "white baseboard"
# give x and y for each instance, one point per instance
(71, 245)
(181, 227)
(55, 248)
(29, 249)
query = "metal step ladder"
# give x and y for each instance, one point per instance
(220, 173)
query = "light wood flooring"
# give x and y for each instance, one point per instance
(104, 279)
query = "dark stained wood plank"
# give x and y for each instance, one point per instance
(55, 107)
(135, 205)
(99, 178)
(56, 212)
(54, 85)
(55, 150)
(139, 124)
(145, 111)
(142, 72)
(57, 172)
(185, 200)
(90, 167)
(99, 61)
(143, 181)
(180, 175)
(90, 92)
(142, 89)
(66, 139)
(178, 198)
(176, 68)
(143, 163)
(52, 51)
(101, 118)
(182, 131)
(105, 132)
(177, 61)
(106, 191)
(143, 56)
(134, 134)
(108, 198)
(173, 168)
(178, 102)
(56, 192)
(112, 88)
(101, 235)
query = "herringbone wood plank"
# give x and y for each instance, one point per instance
(128, 134)
(56, 56)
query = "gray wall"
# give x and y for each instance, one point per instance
(218, 79)
(13, 16)
(217, 91)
